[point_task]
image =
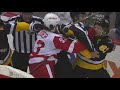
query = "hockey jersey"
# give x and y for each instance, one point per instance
(48, 44)
(4, 48)
(101, 44)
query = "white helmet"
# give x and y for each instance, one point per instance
(51, 19)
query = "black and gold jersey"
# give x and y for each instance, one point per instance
(3, 39)
(103, 45)
(5, 52)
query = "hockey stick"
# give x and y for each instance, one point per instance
(87, 17)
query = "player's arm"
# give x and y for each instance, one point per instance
(105, 45)
(73, 47)
(66, 45)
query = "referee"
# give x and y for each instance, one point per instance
(23, 40)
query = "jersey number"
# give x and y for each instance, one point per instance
(103, 48)
(41, 44)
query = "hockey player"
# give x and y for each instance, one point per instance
(85, 66)
(63, 68)
(5, 52)
(94, 67)
(48, 44)
(79, 30)
(23, 40)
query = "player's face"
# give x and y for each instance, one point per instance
(27, 16)
(98, 30)
(54, 29)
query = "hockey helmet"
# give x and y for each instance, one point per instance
(51, 20)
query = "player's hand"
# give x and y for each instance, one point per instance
(95, 54)
(37, 27)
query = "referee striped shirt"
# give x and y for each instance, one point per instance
(23, 41)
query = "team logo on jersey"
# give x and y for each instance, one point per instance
(43, 34)
(103, 48)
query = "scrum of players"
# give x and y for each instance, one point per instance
(74, 50)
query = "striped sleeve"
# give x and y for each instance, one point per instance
(12, 23)
(13, 19)
(36, 21)
(12, 27)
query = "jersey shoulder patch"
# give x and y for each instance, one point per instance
(43, 34)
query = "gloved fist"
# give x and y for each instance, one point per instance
(37, 27)
(94, 54)
(64, 30)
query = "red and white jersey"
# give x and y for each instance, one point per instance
(48, 44)
(7, 15)
(45, 43)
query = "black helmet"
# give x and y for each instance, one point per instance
(102, 22)
(73, 14)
